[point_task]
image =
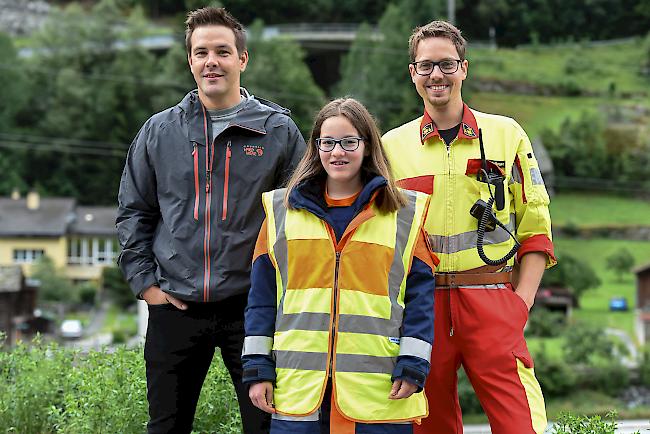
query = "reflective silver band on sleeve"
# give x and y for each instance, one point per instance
(314, 417)
(257, 345)
(415, 347)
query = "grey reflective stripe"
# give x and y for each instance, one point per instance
(397, 272)
(415, 347)
(491, 286)
(257, 345)
(300, 360)
(365, 364)
(368, 325)
(467, 240)
(514, 175)
(536, 176)
(280, 246)
(303, 321)
(314, 417)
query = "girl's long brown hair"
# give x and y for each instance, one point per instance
(389, 199)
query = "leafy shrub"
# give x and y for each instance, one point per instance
(585, 343)
(569, 424)
(45, 388)
(469, 403)
(545, 323)
(555, 377)
(607, 376)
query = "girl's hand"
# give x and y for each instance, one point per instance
(402, 389)
(261, 395)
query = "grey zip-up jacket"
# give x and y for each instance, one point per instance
(189, 214)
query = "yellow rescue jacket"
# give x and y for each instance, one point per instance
(421, 161)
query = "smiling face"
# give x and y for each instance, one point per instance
(216, 66)
(438, 90)
(343, 167)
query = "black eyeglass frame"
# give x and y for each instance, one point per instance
(339, 142)
(415, 66)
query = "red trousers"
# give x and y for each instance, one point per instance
(482, 329)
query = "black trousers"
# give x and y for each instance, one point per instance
(178, 351)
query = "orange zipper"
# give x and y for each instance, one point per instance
(225, 182)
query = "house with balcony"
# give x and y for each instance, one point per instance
(81, 240)
(642, 274)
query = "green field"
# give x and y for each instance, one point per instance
(534, 112)
(591, 210)
(590, 67)
(594, 302)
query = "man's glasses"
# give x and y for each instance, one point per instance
(426, 67)
(349, 144)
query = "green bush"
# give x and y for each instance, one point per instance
(469, 403)
(45, 388)
(544, 323)
(569, 424)
(555, 377)
(607, 376)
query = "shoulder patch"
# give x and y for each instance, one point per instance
(469, 131)
(426, 130)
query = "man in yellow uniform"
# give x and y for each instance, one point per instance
(461, 156)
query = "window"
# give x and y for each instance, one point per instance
(92, 251)
(27, 256)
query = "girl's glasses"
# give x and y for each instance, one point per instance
(349, 144)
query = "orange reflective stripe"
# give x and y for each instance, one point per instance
(310, 264)
(355, 274)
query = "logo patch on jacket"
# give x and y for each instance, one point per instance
(254, 150)
(426, 130)
(468, 131)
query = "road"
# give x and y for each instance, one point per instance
(624, 427)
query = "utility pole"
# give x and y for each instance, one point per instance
(451, 11)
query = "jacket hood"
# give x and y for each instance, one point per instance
(252, 117)
(309, 195)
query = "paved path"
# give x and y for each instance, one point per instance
(624, 427)
(629, 360)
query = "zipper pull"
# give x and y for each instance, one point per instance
(228, 151)
(194, 148)
(451, 332)
(207, 181)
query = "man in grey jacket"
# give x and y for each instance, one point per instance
(189, 214)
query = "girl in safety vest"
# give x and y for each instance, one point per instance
(339, 323)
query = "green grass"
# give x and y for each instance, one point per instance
(597, 209)
(592, 68)
(553, 346)
(117, 319)
(532, 112)
(594, 302)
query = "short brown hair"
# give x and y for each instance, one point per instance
(389, 199)
(212, 16)
(437, 29)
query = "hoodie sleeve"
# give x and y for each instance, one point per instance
(138, 215)
(259, 317)
(416, 341)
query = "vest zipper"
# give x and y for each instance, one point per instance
(225, 182)
(195, 156)
(336, 289)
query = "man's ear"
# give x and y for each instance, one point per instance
(243, 60)
(412, 72)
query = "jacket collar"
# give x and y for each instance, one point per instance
(309, 195)
(252, 117)
(468, 126)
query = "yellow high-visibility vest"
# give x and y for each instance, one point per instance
(339, 313)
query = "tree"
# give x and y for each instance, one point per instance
(116, 288)
(585, 343)
(620, 262)
(571, 273)
(277, 71)
(101, 87)
(54, 286)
